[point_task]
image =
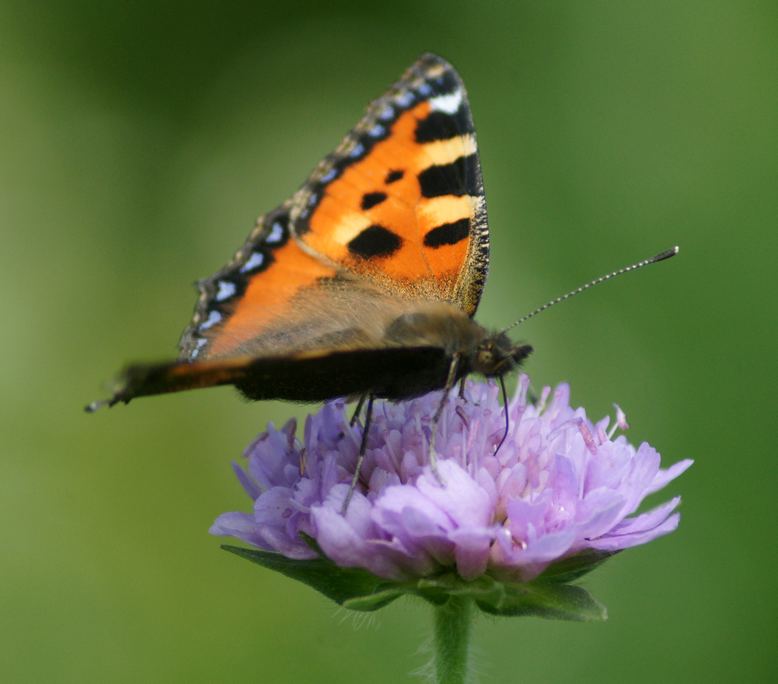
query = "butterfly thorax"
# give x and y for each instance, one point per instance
(437, 325)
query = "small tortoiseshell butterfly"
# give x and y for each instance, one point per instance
(365, 281)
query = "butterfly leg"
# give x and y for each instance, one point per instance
(361, 457)
(450, 380)
(462, 388)
(357, 410)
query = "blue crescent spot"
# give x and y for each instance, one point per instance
(226, 290)
(200, 343)
(330, 175)
(276, 233)
(404, 98)
(254, 261)
(213, 318)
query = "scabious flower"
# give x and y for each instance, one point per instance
(559, 487)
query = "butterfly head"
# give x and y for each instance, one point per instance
(497, 355)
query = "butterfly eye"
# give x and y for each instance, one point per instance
(485, 359)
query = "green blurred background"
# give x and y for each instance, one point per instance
(138, 141)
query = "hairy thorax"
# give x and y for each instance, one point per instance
(437, 325)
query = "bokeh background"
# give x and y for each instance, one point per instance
(138, 141)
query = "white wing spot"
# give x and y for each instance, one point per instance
(447, 103)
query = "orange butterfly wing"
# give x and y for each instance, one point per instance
(398, 209)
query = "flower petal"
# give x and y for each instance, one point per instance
(617, 543)
(560, 485)
(665, 476)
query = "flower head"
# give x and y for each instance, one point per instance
(558, 486)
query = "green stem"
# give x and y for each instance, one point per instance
(452, 633)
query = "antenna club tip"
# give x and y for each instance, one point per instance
(666, 254)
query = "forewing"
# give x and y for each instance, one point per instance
(397, 212)
(401, 200)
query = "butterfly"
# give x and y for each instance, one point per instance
(363, 283)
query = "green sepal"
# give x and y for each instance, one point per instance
(574, 567)
(549, 596)
(539, 598)
(336, 583)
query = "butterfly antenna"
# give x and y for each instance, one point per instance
(627, 269)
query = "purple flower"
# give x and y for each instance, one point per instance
(559, 485)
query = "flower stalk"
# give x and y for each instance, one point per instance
(453, 622)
